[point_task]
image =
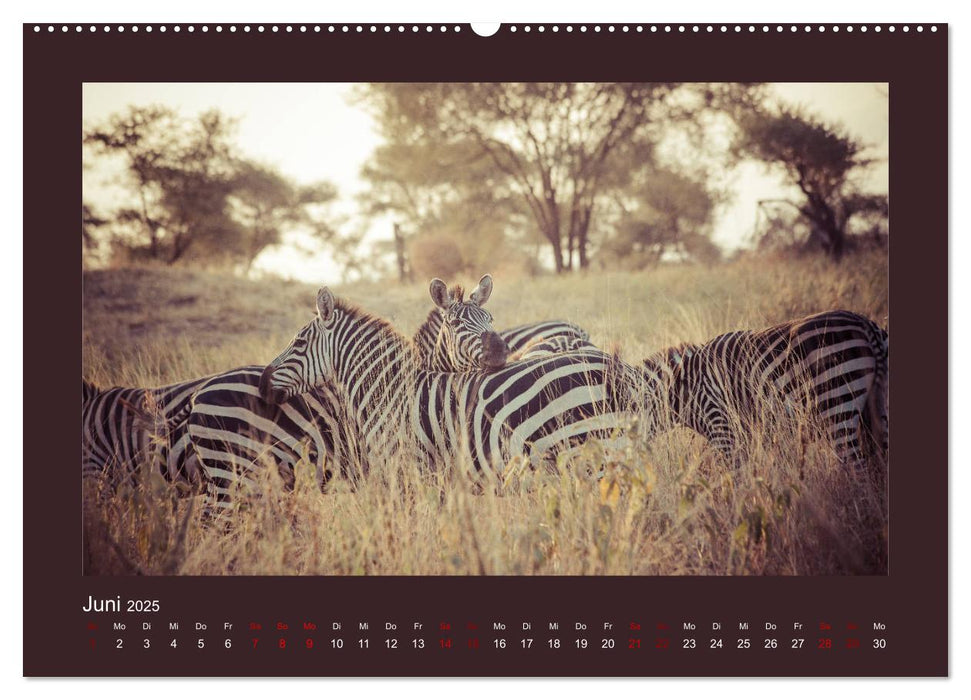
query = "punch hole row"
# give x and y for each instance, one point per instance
(255, 28)
(514, 28)
(720, 28)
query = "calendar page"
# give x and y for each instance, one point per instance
(513, 350)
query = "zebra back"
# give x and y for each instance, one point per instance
(520, 336)
(538, 408)
(125, 428)
(88, 392)
(831, 364)
(543, 347)
(115, 437)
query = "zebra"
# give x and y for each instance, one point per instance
(123, 428)
(205, 435)
(435, 354)
(533, 408)
(834, 363)
(220, 429)
(234, 431)
(465, 339)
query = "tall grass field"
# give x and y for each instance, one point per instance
(671, 506)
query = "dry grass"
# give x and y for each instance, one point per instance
(669, 507)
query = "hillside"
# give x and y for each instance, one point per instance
(155, 325)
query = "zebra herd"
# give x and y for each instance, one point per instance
(351, 393)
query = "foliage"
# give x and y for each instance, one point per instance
(671, 216)
(267, 204)
(194, 197)
(437, 255)
(437, 191)
(555, 152)
(818, 158)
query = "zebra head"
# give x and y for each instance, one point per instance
(667, 365)
(466, 341)
(668, 373)
(308, 361)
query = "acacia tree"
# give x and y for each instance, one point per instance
(180, 173)
(267, 204)
(447, 192)
(820, 160)
(142, 137)
(553, 145)
(195, 198)
(671, 213)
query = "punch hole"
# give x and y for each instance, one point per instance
(485, 28)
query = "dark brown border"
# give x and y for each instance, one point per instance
(912, 601)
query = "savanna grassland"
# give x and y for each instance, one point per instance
(669, 507)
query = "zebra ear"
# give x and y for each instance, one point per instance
(440, 295)
(325, 304)
(482, 293)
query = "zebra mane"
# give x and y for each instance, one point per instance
(366, 317)
(433, 320)
(457, 292)
(431, 326)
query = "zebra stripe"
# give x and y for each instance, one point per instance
(518, 337)
(234, 432)
(534, 408)
(543, 347)
(835, 364)
(123, 428)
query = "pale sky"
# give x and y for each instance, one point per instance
(311, 131)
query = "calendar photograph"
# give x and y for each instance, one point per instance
(485, 329)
